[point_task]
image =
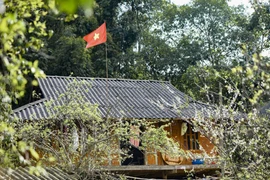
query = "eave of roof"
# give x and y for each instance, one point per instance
(23, 173)
(142, 99)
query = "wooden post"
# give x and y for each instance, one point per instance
(164, 175)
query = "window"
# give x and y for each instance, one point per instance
(191, 139)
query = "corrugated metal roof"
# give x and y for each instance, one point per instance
(23, 173)
(121, 98)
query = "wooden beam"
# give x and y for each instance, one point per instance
(160, 167)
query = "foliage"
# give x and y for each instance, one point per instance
(258, 28)
(242, 139)
(206, 33)
(208, 80)
(79, 58)
(21, 31)
(71, 6)
(14, 67)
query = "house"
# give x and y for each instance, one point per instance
(140, 99)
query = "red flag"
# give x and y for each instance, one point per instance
(96, 37)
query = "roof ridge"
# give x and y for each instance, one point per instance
(29, 104)
(111, 79)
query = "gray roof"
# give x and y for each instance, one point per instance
(116, 98)
(23, 173)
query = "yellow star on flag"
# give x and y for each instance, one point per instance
(96, 36)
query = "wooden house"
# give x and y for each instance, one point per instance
(141, 99)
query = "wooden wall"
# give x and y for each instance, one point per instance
(156, 158)
(152, 157)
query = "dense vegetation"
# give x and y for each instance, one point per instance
(208, 49)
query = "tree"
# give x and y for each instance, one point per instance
(74, 58)
(14, 68)
(208, 82)
(242, 139)
(258, 28)
(203, 32)
(21, 31)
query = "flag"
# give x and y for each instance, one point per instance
(96, 37)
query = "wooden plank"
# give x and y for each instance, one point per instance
(158, 171)
(160, 167)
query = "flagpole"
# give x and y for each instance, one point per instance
(107, 75)
(107, 97)
(106, 61)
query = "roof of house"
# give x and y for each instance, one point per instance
(116, 98)
(23, 173)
